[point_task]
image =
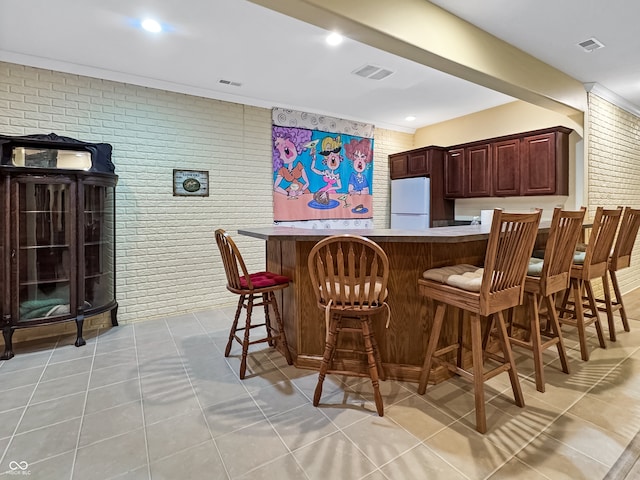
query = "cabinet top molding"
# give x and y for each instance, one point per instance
(100, 152)
(512, 136)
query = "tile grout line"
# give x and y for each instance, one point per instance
(144, 422)
(289, 451)
(2, 458)
(84, 408)
(563, 412)
(184, 368)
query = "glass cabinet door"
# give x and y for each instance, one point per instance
(4, 252)
(45, 257)
(99, 245)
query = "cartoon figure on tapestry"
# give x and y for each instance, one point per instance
(360, 154)
(330, 150)
(288, 143)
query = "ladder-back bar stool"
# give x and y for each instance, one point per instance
(485, 293)
(620, 258)
(546, 277)
(349, 274)
(260, 285)
(581, 310)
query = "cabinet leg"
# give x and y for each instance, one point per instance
(7, 333)
(114, 317)
(79, 340)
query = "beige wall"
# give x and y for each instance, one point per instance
(167, 262)
(506, 119)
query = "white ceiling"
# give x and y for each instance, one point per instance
(283, 62)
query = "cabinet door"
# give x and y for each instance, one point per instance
(98, 245)
(506, 168)
(454, 173)
(44, 245)
(538, 175)
(418, 164)
(398, 166)
(4, 250)
(478, 171)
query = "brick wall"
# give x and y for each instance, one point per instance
(167, 262)
(614, 168)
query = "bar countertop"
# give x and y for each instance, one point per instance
(457, 234)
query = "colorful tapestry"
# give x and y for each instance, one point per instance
(324, 172)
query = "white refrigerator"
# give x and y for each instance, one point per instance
(410, 203)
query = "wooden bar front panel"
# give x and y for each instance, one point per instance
(404, 343)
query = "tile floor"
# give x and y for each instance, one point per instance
(158, 400)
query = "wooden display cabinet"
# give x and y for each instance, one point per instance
(57, 239)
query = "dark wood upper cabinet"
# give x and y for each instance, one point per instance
(399, 166)
(529, 163)
(506, 168)
(477, 172)
(419, 163)
(544, 164)
(454, 173)
(415, 163)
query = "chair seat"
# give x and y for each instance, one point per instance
(464, 276)
(535, 267)
(264, 280)
(578, 258)
(356, 292)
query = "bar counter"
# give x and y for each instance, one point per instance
(410, 252)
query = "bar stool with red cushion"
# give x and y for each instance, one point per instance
(260, 285)
(485, 293)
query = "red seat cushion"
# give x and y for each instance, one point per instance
(264, 279)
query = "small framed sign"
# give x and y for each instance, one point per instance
(189, 183)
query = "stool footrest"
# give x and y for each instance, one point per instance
(468, 375)
(445, 350)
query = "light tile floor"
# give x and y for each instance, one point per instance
(158, 400)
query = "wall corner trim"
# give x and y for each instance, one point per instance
(612, 97)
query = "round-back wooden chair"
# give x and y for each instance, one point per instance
(349, 274)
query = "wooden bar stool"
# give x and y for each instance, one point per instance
(544, 279)
(260, 285)
(620, 258)
(349, 275)
(485, 293)
(587, 266)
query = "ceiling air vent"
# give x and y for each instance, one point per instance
(591, 44)
(229, 82)
(372, 72)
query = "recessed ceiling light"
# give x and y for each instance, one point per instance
(334, 39)
(151, 25)
(410, 118)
